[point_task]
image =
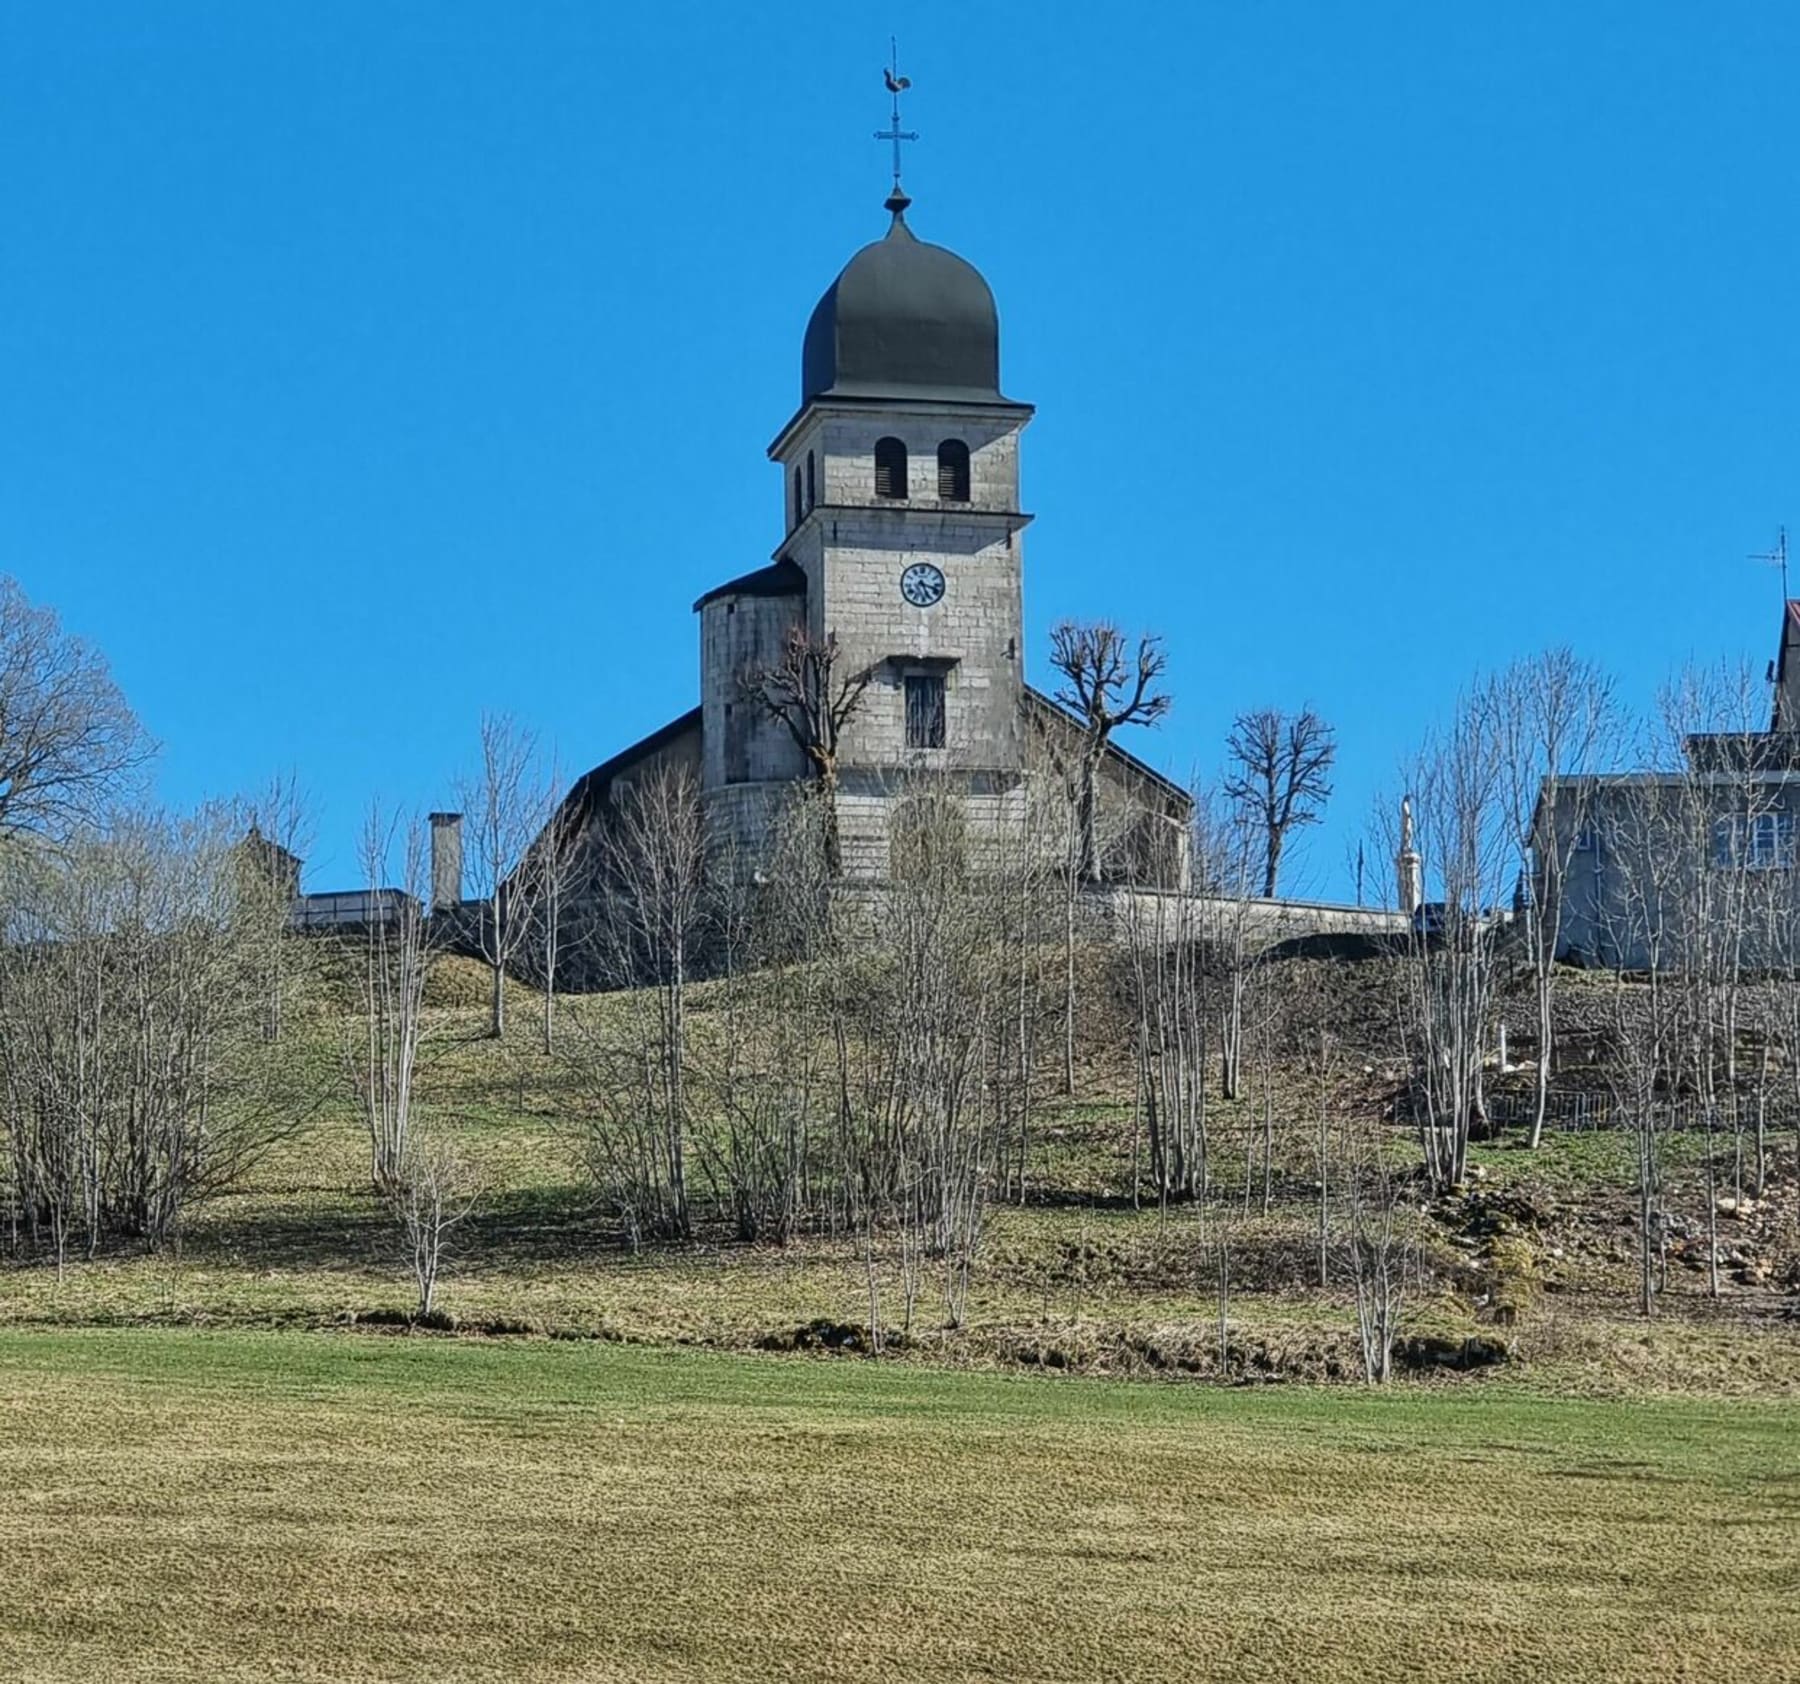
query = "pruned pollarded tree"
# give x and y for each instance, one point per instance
(69, 743)
(1279, 778)
(807, 694)
(505, 806)
(1106, 685)
(1554, 719)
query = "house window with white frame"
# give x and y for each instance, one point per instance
(1754, 842)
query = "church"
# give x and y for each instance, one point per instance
(897, 585)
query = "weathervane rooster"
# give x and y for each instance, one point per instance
(896, 86)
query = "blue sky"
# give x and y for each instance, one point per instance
(363, 367)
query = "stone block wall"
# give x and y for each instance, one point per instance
(840, 439)
(970, 637)
(743, 744)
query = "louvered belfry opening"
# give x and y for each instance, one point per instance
(953, 471)
(924, 710)
(890, 468)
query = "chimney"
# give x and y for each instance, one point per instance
(446, 862)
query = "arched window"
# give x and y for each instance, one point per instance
(890, 468)
(953, 471)
(812, 480)
(799, 507)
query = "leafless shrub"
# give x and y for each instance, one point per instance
(1446, 1013)
(1379, 1246)
(434, 1192)
(632, 1060)
(138, 1077)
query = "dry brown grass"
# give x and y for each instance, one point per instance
(237, 1507)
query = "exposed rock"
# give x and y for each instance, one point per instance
(1429, 1350)
(823, 1334)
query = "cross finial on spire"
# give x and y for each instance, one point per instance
(897, 201)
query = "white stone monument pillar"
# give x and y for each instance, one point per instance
(1409, 869)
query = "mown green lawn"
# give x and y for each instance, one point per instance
(187, 1505)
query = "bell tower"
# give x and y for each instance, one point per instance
(900, 493)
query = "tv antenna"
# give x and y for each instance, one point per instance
(1777, 557)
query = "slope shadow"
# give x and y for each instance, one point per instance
(509, 1230)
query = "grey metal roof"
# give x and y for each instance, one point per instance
(779, 578)
(905, 319)
(591, 789)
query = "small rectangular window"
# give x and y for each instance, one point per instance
(924, 711)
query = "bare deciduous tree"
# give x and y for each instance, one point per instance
(937, 1038)
(1379, 1246)
(392, 952)
(807, 694)
(548, 881)
(279, 829)
(505, 809)
(1447, 1014)
(1106, 685)
(1280, 777)
(433, 1194)
(1696, 861)
(138, 1078)
(1553, 719)
(633, 1061)
(68, 742)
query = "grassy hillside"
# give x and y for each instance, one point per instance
(234, 1459)
(243, 1506)
(1075, 1279)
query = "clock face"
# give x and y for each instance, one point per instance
(922, 584)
